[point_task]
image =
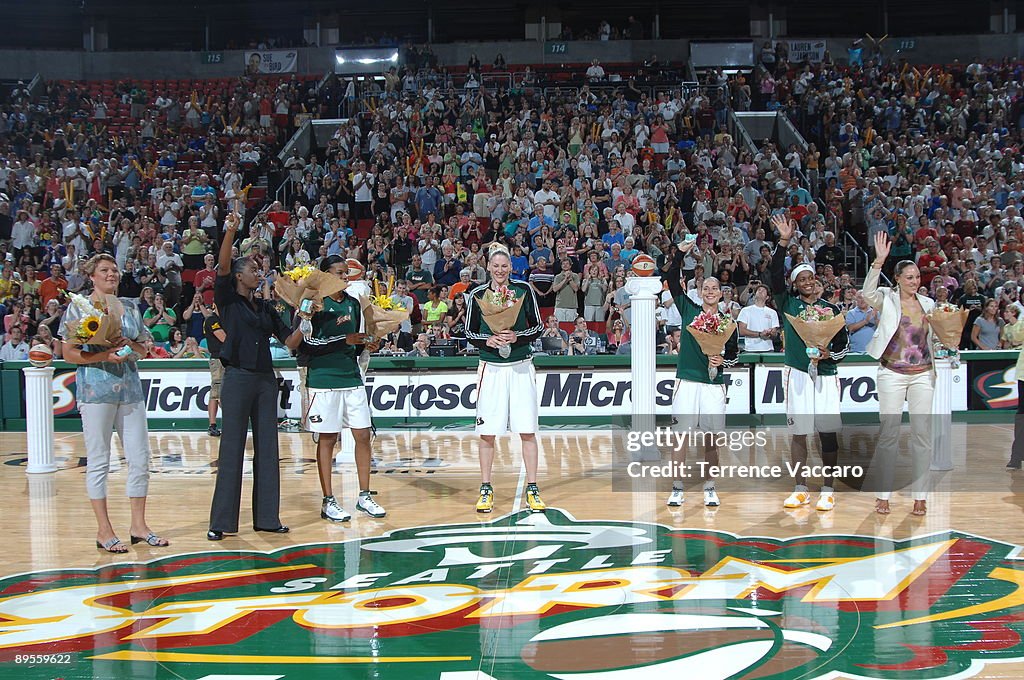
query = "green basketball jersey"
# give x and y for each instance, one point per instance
(333, 363)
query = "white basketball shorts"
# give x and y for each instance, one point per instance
(332, 411)
(506, 398)
(812, 406)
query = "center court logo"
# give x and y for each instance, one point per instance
(533, 596)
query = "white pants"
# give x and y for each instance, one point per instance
(699, 406)
(98, 424)
(506, 398)
(917, 390)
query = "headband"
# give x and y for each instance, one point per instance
(804, 267)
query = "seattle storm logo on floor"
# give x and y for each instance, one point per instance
(535, 596)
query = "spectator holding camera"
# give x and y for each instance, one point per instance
(583, 340)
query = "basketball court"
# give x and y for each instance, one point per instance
(606, 584)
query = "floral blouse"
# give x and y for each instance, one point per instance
(106, 382)
(908, 351)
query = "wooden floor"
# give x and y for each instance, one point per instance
(954, 574)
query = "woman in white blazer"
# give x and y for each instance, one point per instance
(903, 345)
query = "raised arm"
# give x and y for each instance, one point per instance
(675, 272)
(786, 228)
(871, 292)
(230, 229)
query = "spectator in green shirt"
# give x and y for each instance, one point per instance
(159, 319)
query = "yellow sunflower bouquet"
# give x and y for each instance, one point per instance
(306, 282)
(94, 323)
(381, 313)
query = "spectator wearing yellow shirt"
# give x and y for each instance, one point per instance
(434, 309)
(7, 280)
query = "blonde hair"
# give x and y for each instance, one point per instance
(90, 266)
(496, 248)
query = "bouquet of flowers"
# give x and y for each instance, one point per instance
(712, 330)
(816, 325)
(500, 309)
(947, 322)
(90, 323)
(300, 272)
(381, 313)
(306, 282)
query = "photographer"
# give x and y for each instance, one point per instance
(551, 330)
(439, 335)
(583, 340)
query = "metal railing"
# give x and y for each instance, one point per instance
(852, 255)
(596, 88)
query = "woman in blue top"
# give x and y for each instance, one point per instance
(109, 395)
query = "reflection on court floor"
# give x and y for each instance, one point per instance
(604, 585)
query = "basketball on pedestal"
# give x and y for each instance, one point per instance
(356, 270)
(40, 356)
(643, 265)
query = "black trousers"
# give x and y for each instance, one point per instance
(1017, 450)
(247, 398)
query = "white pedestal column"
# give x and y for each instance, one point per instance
(643, 293)
(644, 296)
(39, 419)
(942, 410)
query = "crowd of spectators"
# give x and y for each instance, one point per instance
(575, 182)
(930, 154)
(142, 172)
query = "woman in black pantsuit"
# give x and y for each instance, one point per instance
(249, 395)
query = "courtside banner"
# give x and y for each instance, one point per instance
(179, 393)
(856, 389)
